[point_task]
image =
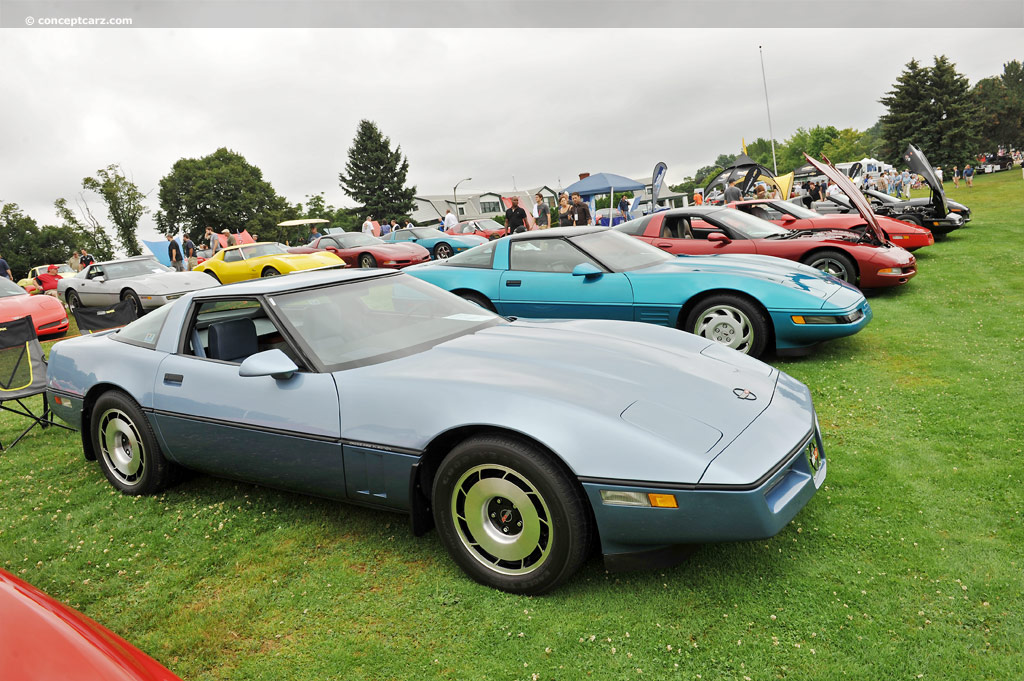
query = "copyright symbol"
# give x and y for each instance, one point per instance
(29, 21)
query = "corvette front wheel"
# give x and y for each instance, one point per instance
(731, 321)
(509, 516)
(836, 263)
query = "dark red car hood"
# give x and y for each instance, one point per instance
(851, 191)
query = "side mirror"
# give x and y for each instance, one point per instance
(268, 363)
(100, 279)
(719, 238)
(586, 270)
(788, 219)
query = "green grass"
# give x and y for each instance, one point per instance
(907, 564)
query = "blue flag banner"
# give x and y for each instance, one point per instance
(656, 181)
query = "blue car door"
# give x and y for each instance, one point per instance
(540, 283)
(283, 433)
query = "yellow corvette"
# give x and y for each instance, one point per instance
(264, 259)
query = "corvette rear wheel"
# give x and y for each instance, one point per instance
(212, 274)
(73, 300)
(731, 321)
(367, 260)
(836, 263)
(477, 299)
(126, 447)
(509, 516)
(443, 251)
(912, 219)
(269, 272)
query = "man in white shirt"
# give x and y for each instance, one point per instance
(368, 225)
(450, 220)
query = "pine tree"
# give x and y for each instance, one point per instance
(375, 175)
(933, 109)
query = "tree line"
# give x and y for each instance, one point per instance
(933, 107)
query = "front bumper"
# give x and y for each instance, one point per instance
(790, 335)
(639, 537)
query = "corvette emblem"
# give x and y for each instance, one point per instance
(744, 394)
(506, 515)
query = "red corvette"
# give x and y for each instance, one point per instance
(485, 227)
(48, 313)
(44, 639)
(796, 217)
(362, 250)
(708, 230)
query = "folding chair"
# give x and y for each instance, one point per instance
(23, 375)
(94, 319)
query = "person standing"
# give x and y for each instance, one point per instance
(563, 211)
(733, 193)
(906, 184)
(368, 225)
(174, 254)
(543, 217)
(85, 260)
(189, 247)
(938, 171)
(232, 241)
(624, 207)
(515, 217)
(956, 177)
(5, 270)
(213, 241)
(408, 224)
(969, 175)
(450, 220)
(579, 213)
(698, 197)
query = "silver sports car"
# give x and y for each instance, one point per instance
(140, 279)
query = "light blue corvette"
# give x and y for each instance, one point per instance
(747, 302)
(530, 442)
(440, 244)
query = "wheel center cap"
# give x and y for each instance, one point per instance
(504, 516)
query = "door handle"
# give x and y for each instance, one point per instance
(513, 282)
(664, 244)
(173, 378)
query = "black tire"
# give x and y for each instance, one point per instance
(732, 321)
(443, 251)
(367, 260)
(212, 274)
(490, 488)
(73, 300)
(131, 295)
(912, 219)
(269, 272)
(476, 298)
(835, 263)
(125, 446)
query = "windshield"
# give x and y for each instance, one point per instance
(9, 288)
(488, 224)
(132, 268)
(356, 323)
(747, 225)
(356, 239)
(618, 252)
(258, 250)
(796, 210)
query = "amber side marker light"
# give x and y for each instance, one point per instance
(663, 500)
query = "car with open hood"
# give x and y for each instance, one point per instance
(749, 303)
(866, 259)
(795, 216)
(541, 439)
(141, 280)
(936, 212)
(263, 259)
(441, 245)
(365, 250)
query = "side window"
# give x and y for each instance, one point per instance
(328, 242)
(763, 211)
(402, 235)
(95, 271)
(232, 330)
(234, 255)
(634, 227)
(546, 255)
(479, 256)
(700, 228)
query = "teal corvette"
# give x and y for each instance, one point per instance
(440, 244)
(747, 302)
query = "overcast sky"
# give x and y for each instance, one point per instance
(539, 106)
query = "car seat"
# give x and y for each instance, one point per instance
(233, 340)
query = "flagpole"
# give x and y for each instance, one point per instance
(770, 133)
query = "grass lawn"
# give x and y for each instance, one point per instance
(907, 564)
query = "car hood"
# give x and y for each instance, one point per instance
(468, 239)
(167, 282)
(765, 267)
(396, 250)
(918, 163)
(679, 387)
(852, 193)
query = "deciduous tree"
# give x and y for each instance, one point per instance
(124, 204)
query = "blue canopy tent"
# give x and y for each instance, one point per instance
(159, 250)
(603, 183)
